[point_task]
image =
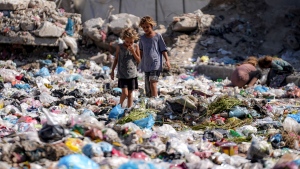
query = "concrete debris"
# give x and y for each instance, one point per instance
(183, 24)
(119, 21)
(35, 22)
(13, 4)
(48, 29)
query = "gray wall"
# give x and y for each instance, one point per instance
(162, 11)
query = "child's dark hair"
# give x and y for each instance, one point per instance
(129, 33)
(265, 62)
(147, 19)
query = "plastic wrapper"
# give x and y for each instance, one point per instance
(291, 125)
(258, 149)
(77, 161)
(8, 75)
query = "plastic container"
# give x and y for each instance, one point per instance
(230, 149)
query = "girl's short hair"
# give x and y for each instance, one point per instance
(129, 33)
(147, 19)
(265, 62)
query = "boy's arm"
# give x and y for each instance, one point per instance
(115, 63)
(165, 54)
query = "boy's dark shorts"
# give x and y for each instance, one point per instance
(153, 75)
(130, 84)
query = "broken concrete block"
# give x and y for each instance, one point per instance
(92, 28)
(48, 29)
(206, 21)
(185, 24)
(60, 19)
(92, 23)
(41, 4)
(27, 25)
(13, 5)
(122, 20)
(161, 29)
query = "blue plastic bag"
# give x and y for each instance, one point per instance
(137, 165)
(92, 150)
(261, 89)
(117, 112)
(105, 68)
(105, 146)
(147, 122)
(46, 62)
(77, 161)
(70, 27)
(22, 86)
(43, 72)
(60, 69)
(74, 77)
(117, 90)
(295, 117)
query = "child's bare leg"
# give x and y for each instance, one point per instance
(153, 87)
(129, 99)
(124, 95)
(252, 82)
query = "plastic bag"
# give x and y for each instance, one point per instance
(22, 86)
(71, 42)
(239, 112)
(92, 150)
(74, 77)
(44, 72)
(291, 125)
(105, 146)
(70, 27)
(77, 161)
(137, 165)
(147, 122)
(258, 149)
(295, 117)
(52, 131)
(117, 112)
(59, 70)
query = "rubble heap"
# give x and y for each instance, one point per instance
(36, 22)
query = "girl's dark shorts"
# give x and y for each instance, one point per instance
(130, 84)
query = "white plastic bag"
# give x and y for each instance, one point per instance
(71, 42)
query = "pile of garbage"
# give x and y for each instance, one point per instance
(68, 116)
(38, 22)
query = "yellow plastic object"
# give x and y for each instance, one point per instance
(1, 104)
(74, 144)
(204, 59)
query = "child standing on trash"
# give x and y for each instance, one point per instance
(127, 57)
(279, 70)
(152, 48)
(245, 73)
